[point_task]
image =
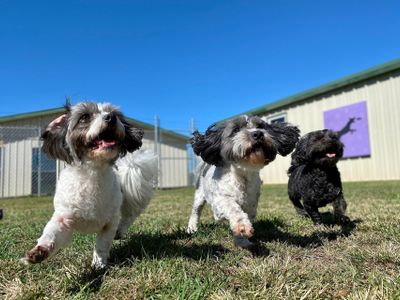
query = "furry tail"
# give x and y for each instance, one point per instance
(137, 173)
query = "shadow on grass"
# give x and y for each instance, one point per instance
(158, 246)
(276, 231)
(180, 244)
(149, 246)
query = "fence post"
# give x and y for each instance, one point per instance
(157, 149)
(39, 164)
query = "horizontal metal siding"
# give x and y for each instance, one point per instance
(383, 105)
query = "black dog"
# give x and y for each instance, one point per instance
(314, 176)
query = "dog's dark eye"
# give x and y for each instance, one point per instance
(235, 130)
(84, 118)
(260, 126)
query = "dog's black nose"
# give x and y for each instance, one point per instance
(110, 118)
(257, 135)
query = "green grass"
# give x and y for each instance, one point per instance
(294, 259)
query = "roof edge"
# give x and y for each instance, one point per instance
(329, 87)
(35, 114)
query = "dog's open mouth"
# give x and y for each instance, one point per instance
(104, 141)
(258, 156)
(103, 144)
(330, 154)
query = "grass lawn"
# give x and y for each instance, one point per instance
(294, 259)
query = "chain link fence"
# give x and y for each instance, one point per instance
(26, 171)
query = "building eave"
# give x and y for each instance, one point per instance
(368, 74)
(60, 110)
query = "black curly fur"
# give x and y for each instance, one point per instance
(284, 136)
(208, 145)
(315, 178)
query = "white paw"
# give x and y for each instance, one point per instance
(192, 228)
(25, 261)
(99, 263)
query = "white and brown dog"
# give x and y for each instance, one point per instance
(99, 191)
(234, 152)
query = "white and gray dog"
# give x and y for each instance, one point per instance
(234, 152)
(98, 191)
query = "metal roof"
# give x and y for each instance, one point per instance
(60, 110)
(330, 87)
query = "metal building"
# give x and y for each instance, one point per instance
(25, 170)
(365, 107)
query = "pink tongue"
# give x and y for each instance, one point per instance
(330, 155)
(104, 144)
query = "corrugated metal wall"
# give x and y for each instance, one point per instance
(16, 168)
(174, 160)
(174, 164)
(383, 105)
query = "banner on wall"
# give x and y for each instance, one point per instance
(351, 123)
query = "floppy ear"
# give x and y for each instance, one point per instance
(133, 138)
(208, 145)
(54, 144)
(300, 155)
(285, 137)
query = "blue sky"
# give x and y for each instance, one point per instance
(205, 60)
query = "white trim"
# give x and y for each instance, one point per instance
(270, 119)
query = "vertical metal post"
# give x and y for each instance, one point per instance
(157, 148)
(155, 134)
(39, 164)
(192, 125)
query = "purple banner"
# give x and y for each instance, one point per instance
(351, 123)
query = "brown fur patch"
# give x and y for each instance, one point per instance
(107, 154)
(243, 230)
(37, 254)
(255, 158)
(106, 227)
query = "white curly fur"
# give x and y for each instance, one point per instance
(232, 192)
(99, 199)
(137, 174)
(94, 196)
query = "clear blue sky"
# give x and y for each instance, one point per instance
(182, 59)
